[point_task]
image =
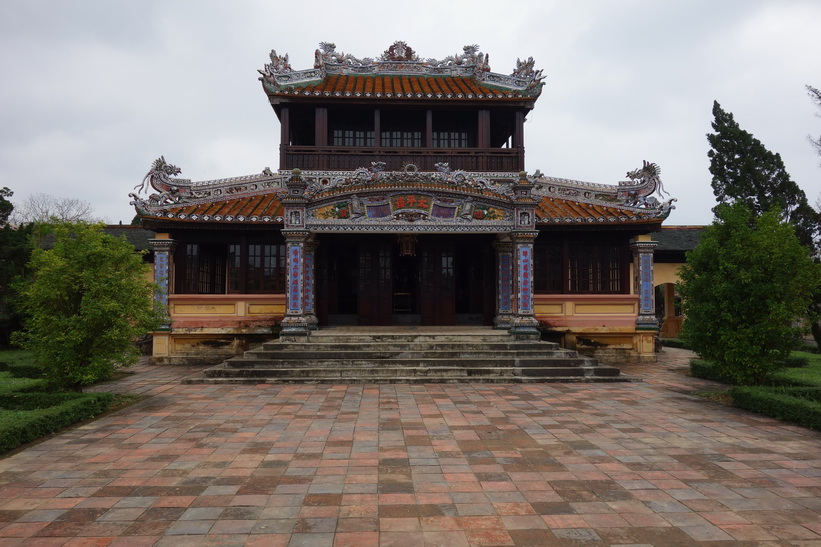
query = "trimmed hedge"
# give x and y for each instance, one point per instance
(22, 370)
(9, 384)
(795, 361)
(707, 371)
(25, 417)
(798, 405)
(674, 343)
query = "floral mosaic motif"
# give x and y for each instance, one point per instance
(482, 211)
(336, 210)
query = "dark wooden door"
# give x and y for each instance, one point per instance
(437, 283)
(374, 280)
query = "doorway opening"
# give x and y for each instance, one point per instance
(365, 280)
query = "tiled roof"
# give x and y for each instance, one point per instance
(678, 238)
(551, 210)
(258, 208)
(400, 87)
(268, 208)
(136, 235)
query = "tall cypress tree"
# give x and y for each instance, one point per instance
(744, 170)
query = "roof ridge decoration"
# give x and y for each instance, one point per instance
(637, 194)
(400, 58)
(177, 191)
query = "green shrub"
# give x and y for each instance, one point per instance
(745, 288)
(87, 301)
(25, 417)
(799, 405)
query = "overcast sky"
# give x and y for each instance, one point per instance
(94, 91)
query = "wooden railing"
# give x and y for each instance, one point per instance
(467, 159)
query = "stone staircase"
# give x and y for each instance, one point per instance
(407, 355)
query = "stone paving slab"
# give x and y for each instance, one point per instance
(442, 464)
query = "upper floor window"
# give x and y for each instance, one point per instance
(402, 139)
(451, 139)
(352, 137)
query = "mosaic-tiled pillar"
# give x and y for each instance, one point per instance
(163, 272)
(295, 322)
(524, 323)
(643, 270)
(504, 284)
(309, 280)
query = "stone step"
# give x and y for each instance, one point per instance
(402, 346)
(372, 361)
(405, 375)
(383, 371)
(402, 337)
(400, 354)
(396, 356)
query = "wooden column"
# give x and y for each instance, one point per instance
(377, 128)
(504, 283)
(309, 282)
(428, 129)
(284, 135)
(483, 130)
(519, 138)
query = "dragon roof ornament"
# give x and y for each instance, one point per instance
(398, 59)
(171, 191)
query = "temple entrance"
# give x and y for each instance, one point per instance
(372, 280)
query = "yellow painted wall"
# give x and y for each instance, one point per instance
(665, 273)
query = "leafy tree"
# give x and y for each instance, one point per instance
(744, 287)
(14, 253)
(744, 170)
(88, 300)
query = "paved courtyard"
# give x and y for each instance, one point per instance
(407, 465)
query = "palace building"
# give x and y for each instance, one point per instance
(401, 198)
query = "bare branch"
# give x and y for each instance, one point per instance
(46, 208)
